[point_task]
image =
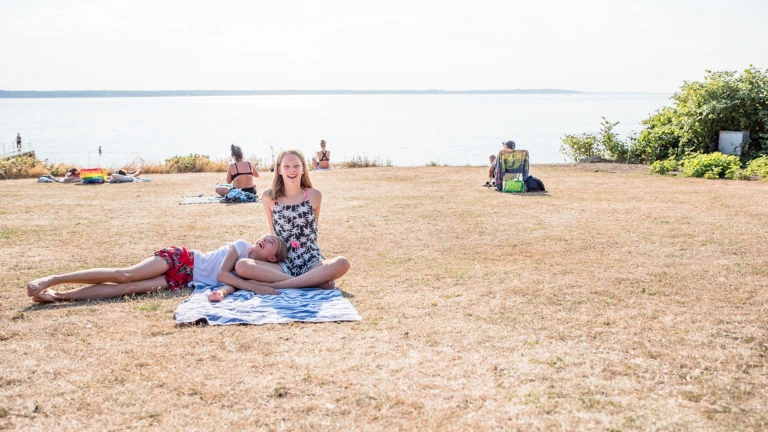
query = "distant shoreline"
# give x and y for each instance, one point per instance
(30, 94)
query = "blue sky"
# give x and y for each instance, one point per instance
(588, 45)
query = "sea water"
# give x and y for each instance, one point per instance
(408, 130)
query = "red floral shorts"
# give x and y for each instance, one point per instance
(181, 262)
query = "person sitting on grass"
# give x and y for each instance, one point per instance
(241, 174)
(173, 268)
(323, 159)
(292, 207)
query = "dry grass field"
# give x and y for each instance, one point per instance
(619, 301)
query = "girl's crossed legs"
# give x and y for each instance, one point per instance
(144, 277)
(322, 274)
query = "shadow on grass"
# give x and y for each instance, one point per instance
(165, 294)
(530, 194)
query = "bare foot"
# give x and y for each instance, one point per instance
(216, 296)
(48, 295)
(330, 285)
(37, 285)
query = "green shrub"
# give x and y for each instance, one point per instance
(604, 145)
(363, 161)
(722, 101)
(578, 147)
(615, 149)
(193, 163)
(664, 166)
(21, 167)
(758, 167)
(712, 166)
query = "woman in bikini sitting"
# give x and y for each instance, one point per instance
(240, 175)
(323, 159)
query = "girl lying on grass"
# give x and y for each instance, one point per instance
(293, 211)
(172, 268)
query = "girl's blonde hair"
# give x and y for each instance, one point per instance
(282, 250)
(277, 188)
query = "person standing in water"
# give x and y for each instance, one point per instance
(99, 150)
(323, 159)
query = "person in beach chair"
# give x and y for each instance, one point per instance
(511, 163)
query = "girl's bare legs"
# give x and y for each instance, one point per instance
(264, 273)
(222, 190)
(102, 290)
(320, 274)
(147, 269)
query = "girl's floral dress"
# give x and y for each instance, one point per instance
(297, 226)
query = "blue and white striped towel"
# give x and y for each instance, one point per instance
(244, 307)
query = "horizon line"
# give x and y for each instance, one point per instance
(219, 92)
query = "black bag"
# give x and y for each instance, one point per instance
(532, 184)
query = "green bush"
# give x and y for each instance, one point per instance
(188, 164)
(363, 161)
(712, 166)
(758, 167)
(604, 145)
(578, 147)
(723, 101)
(664, 166)
(21, 167)
(615, 149)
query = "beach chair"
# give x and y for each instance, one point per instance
(510, 165)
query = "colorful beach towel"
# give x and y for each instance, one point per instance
(93, 175)
(244, 307)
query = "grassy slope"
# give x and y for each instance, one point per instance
(621, 300)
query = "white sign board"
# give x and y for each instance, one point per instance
(732, 142)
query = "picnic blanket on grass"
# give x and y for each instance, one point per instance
(201, 199)
(245, 307)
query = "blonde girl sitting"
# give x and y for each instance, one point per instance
(292, 206)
